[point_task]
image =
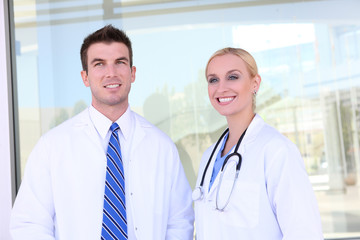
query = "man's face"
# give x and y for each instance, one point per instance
(109, 75)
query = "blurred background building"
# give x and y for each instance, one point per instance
(308, 54)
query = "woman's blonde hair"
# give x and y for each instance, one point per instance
(241, 53)
(245, 56)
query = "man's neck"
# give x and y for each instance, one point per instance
(112, 113)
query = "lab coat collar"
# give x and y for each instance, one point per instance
(253, 130)
(94, 124)
(102, 123)
(251, 133)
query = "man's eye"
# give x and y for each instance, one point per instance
(98, 64)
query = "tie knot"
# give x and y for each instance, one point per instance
(114, 127)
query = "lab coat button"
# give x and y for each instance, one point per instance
(131, 194)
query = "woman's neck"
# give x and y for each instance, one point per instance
(237, 126)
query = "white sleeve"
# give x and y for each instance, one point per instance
(33, 211)
(291, 194)
(181, 213)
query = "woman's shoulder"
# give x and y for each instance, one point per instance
(274, 139)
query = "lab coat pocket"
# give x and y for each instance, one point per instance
(243, 208)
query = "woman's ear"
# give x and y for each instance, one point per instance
(257, 81)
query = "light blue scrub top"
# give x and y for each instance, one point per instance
(219, 161)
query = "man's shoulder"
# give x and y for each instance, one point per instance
(142, 122)
(69, 125)
(149, 128)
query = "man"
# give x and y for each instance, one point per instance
(69, 175)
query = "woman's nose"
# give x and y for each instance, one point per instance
(222, 86)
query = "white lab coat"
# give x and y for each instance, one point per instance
(272, 199)
(61, 195)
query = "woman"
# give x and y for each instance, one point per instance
(271, 197)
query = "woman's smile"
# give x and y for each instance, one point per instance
(225, 99)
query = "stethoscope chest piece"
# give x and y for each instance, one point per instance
(197, 194)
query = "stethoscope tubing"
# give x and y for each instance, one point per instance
(198, 192)
(221, 209)
(211, 156)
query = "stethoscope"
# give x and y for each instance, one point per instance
(198, 192)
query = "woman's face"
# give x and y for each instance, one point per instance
(230, 85)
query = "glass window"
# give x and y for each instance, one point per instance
(308, 53)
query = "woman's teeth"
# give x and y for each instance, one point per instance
(228, 99)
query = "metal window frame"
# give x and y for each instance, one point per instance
(8, 140)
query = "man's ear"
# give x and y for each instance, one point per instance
(84, 77)
(133, 71)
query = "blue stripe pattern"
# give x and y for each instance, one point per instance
(114, 224)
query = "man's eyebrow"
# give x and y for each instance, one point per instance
(122, 59)
(102, 60)
(97, 60)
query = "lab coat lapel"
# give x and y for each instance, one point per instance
(139, 133)
(84, 124)
(254, 128)
(213, 188)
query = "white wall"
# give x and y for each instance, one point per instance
(5, 166)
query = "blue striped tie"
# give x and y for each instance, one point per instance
(114, 213)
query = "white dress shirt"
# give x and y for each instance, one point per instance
(102, 125)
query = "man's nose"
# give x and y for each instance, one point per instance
(110, 70)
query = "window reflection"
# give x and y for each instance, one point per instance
(309, 66)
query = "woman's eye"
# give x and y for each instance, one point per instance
(212, 80)
(233, 77)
